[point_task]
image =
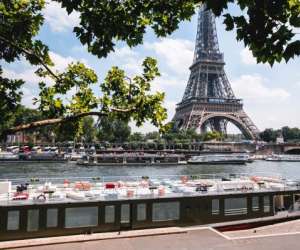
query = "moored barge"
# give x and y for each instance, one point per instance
(287, 158)
(45, 207)
(133, 158)
(213, 159)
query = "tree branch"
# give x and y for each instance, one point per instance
(53, 121)
(59, 120)
(30, 53)
(122, 110)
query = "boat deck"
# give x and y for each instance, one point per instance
(57, 191)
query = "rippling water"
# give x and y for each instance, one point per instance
(64, 170)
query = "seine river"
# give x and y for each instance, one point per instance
(67, 170)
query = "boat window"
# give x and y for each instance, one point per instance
(297, 202)
(141, 212)
(125, 213)
(13, 220)
(52, 217)
(81, 217)
(215, 207)
(255, 203)
(32, 220)
(235, 206)
(165, 211)
(266, 204)
(109, 214)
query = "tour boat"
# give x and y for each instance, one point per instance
(40, 207)
(292, 158)
(76, 155)
(8, 156)
(220, 159)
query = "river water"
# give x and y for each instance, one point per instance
(67, 170)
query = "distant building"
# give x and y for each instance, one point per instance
(17, 138)
(279, 139)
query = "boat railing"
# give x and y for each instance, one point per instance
(103, 179)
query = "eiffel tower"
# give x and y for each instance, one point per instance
(208, 101)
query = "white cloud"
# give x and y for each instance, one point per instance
(128, 60)
(27, 72)
(29, 88)
(168, 84)
(60, 61)
(170, 81)
(177, 54)
(58, 19)
(124, 52)
(28, 95)
(296, 30)
(247, 57)
(27, 75)
(170, 106)
(132, 66)
(254, 87)
(79, 49)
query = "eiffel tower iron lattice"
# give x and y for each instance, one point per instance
(208, 100)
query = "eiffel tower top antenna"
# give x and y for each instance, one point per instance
(207, 39)
(207, 78)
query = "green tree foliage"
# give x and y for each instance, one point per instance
(181, 136)
(288, 134)
(269, 135)
(10, 97)
(83, 130)
(20, 21)
(66, 131)
(265, 26)
(213, 135)
(122, 98)
(113, 130)
(88, 129)
(153, 136)
(137, 137)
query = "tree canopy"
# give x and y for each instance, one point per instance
(113, 130)
(267, 27)
(288, 134)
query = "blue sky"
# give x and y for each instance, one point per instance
(271, 95)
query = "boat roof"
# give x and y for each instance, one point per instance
(119, 188)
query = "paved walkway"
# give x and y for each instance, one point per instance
(168, 239)
(280, 228)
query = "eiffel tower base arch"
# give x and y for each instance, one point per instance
(217, 121)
